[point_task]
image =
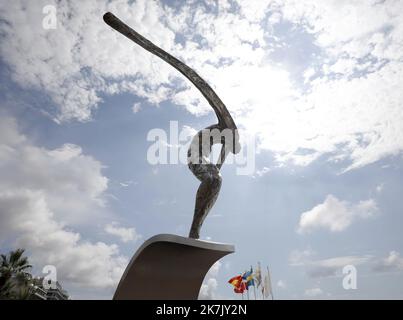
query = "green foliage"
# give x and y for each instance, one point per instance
(15, 278)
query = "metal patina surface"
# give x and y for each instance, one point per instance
(198, 154)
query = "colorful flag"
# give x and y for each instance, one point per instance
(235, 281)
(241, 288)
(248, 278)
(249, 283)
(247, 274)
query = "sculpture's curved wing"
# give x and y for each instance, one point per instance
(223, 115)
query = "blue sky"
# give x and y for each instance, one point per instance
(317, 84)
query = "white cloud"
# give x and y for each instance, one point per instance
(313, 292)
(350, 107)
(125, 184)
(263, 171)
(27, 218)
(335, 215)
(210, 284)
(46, 194)
(334, 266)
(84, 56)
(281, 284)
(393, 262)
(355, 109)
(124, 234)
(300, 257)
(136, 107)
(355, 116)
(208, 289)
(321, 268)
(380, 187)
(59, 173)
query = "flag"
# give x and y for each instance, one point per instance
(247, 274)
(248, 278)
(269, 279)
(267, 289)
(250, 282)
(241, 288)
(258, 275)
(235, 281)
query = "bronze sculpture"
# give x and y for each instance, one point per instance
(224, 132)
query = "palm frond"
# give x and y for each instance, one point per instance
(15, 256)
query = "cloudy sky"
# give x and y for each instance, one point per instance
(317, 84)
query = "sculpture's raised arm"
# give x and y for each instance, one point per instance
(224, 118)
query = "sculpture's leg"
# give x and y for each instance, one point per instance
(207, 194)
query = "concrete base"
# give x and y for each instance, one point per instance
(169, 267)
